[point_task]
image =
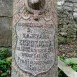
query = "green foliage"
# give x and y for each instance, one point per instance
(5, 63)
(4, 52)
(74, 67)
(63, 57)
(73, 55)
(71, 63)
(5, 67)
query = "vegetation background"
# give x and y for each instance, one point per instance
(67, 34)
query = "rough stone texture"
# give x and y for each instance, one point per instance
(6, 8)
(67, 69)
(67, 14)
(72, 0)
(19, 16)
(5, 31)
(70, 5)
(5, 22)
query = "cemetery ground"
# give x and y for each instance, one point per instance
(67, 47)
(67, 51)
(67, 60)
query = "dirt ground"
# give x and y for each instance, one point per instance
(69, 49)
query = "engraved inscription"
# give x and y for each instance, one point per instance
(34, 51)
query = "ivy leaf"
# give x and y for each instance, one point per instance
(4, 74)
(70, 61)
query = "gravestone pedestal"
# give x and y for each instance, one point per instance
(34, 48)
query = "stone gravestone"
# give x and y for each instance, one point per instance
(34, 38)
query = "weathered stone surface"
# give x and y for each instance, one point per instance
(66, 69)
(41, 52)
(69, 5)
(75, 15)
(34, 46)
(72, 0)
(5, 31)
(75, 9)
(6, 8)
(68, 8)
(5, 22)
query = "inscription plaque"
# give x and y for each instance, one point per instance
(35, 50)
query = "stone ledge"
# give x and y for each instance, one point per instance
(66, 69)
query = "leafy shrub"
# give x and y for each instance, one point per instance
(71, 63)
(4, 52)
(5, 63)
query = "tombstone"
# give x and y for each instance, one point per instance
(34, 48)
